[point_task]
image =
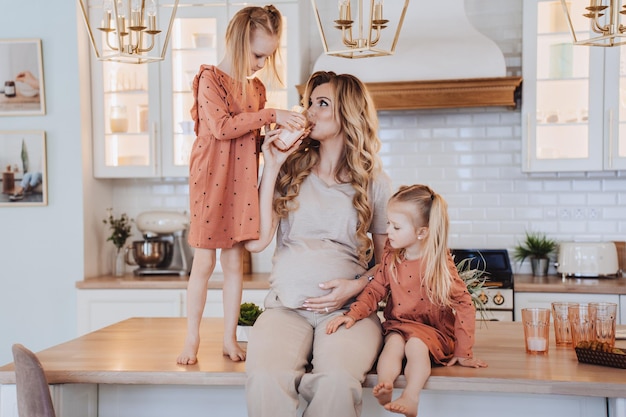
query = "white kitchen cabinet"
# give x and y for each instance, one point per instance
(214, 307)
(574, 96)
(97, 308)
(140, 113)
(545, 299)
(100, 308)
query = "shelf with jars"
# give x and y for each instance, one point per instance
(141, 113)
(571, 117)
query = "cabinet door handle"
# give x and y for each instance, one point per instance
(610, 138)
(153, 148)
(528, 136)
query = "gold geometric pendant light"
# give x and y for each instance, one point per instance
(602, 20)
(129, 30)
(359, 28)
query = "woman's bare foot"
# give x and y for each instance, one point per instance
(190, 351)
(233, 351)
(403, 405)
(383, 391)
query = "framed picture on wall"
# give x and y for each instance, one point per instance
(23, 167)
(21, 78)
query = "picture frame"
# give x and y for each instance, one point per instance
(22, 91)
(24, 179)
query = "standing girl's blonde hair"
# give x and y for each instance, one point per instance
(238, 33)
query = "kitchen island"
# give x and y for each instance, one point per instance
(129, 369)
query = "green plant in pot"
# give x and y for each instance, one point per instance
(537, 247)
(248, 313)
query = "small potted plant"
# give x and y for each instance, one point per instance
(248, 313)
(120, 232)
(536, 247)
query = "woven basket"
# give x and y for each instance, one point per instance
(597, 357)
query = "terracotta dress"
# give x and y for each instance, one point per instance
(446, 331)
(223, 167)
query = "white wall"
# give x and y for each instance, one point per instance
(41, 248)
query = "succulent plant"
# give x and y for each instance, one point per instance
(248, 313)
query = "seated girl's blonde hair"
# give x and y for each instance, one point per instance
(431, 211)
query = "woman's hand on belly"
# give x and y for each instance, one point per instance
(341, 290)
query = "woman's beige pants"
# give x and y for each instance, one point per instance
(282, 344)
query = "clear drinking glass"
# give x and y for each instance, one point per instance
(536, 330)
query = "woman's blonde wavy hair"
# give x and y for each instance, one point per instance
(239, 34)
(359, 162)
(430, 210)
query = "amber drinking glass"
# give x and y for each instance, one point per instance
(562, 327)
(582, 326)
(603, 316)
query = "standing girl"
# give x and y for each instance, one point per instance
(429, 313)
(229, 112)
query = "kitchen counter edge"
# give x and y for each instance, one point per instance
(558, 284)
(254, 281)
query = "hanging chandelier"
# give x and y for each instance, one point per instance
(359, 28)
(603, 19)
(128, 31)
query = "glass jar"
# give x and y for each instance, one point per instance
(118, 119)
(9, 88)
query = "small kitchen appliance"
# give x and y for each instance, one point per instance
(588, 259)
(497, 291)
(164, 250)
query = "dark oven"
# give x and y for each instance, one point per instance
(497, 291)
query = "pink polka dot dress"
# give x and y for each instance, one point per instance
(224, 162)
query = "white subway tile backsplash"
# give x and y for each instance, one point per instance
(573, 199)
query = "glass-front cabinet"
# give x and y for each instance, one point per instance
(141, 112)
(573, 118)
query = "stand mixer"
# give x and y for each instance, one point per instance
(164, 250)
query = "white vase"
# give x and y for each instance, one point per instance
(118, 265)
(243, 333)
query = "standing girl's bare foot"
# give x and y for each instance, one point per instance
(233, 351)
(190, 351)
(383, 391)
(403, 405)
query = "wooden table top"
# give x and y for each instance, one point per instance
(144, 351)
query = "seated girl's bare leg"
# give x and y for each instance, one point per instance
(201, 270)
(389, 367)
(232, 265)
(416, 372)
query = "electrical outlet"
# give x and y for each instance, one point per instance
(592, 213)
(563, 213)
(580, 213)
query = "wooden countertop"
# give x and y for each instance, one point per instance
(259, 281)
(255, 281)
(143, 351)
(555, 283)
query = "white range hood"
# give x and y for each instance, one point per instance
(438, 51)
